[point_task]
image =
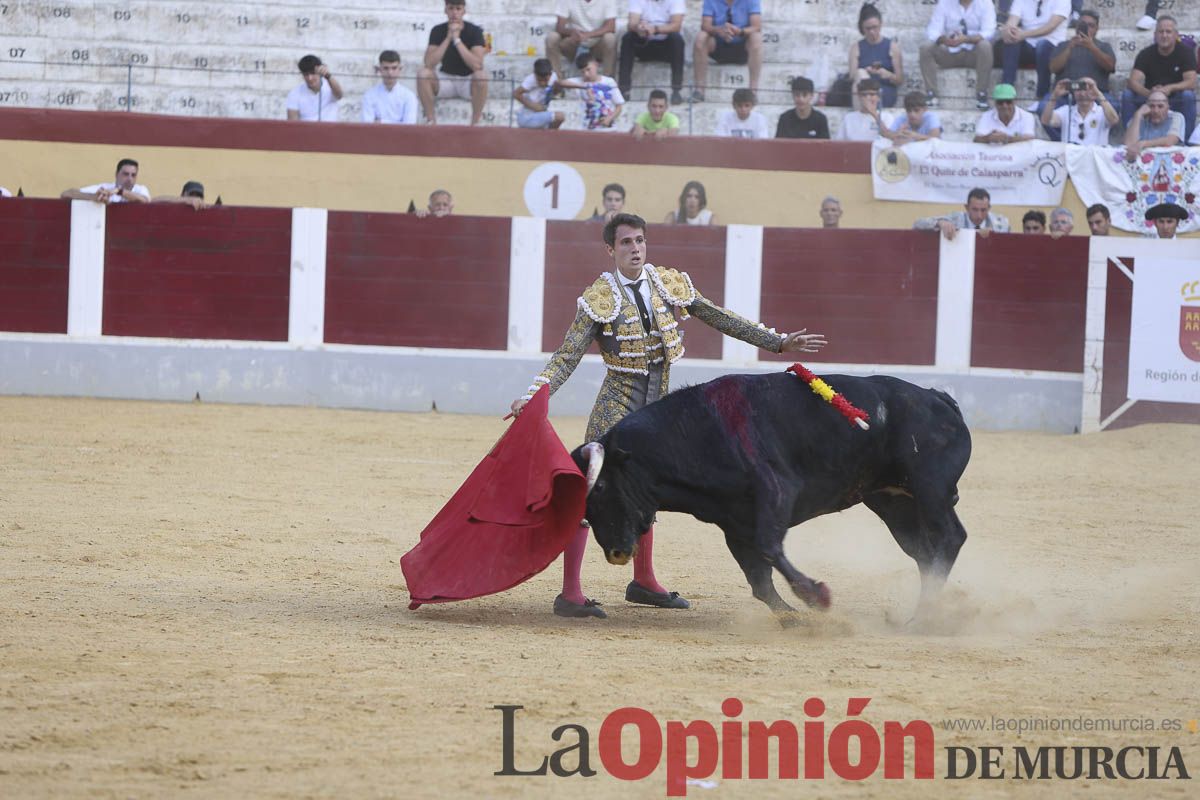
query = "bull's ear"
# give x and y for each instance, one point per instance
(618, 455)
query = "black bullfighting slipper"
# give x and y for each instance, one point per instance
(636, 593)
(588, 608)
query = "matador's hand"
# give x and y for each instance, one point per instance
(801, 342)
(518, 406)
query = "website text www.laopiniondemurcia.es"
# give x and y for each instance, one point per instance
(852, 749)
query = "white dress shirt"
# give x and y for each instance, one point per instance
(643, 290)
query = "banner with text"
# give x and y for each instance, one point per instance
(1128, 188)
(937, 171)
(1164, 331)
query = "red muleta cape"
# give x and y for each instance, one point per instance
(507, 523)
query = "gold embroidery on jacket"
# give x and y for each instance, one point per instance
(609, 317)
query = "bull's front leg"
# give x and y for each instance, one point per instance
(814, 593)
(769, 535)
(946, 535)
(758, 573)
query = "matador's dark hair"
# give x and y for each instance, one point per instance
(610, 229)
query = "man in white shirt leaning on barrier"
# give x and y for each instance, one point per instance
(124, 189)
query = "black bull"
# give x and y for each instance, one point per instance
(757, 454)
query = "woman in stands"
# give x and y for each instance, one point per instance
(875, 56)
(693, 202)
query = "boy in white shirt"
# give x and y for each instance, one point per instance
(388, 101)
(315, 100)
(742, 121)
(534, 95)
(863, 125)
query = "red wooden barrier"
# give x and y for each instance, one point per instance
(874, 296)
(1030, 302)
(394, 279)
(35, 253)
(220, 273)
(143, 130)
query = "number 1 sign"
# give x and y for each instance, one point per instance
(555, 191)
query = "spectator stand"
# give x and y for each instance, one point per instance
(227, 59)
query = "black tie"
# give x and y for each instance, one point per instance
(641, 304)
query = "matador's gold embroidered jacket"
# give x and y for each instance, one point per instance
(608, 315)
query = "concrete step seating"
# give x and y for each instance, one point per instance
(225, 58)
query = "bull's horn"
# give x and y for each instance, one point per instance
(594, 453)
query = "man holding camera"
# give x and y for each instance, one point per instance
(1083, 56)
(1086, 121)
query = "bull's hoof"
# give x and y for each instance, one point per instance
(790, 619)
(821, 597)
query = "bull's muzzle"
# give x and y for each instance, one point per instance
(620, 557)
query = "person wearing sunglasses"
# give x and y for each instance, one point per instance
(1081, 56)
(1086, 121)
(1005, 124)
(1033, 29)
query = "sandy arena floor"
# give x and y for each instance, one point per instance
(206, 601)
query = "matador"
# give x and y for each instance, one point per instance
(633, 313)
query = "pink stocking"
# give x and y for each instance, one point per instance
(572, 590)
(643, 564)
